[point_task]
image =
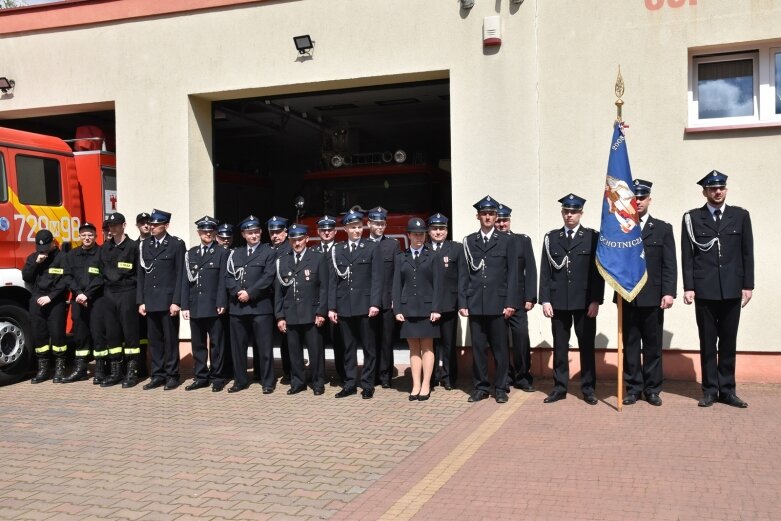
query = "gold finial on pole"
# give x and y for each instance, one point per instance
(619, 93)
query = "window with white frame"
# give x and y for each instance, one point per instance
(735, 87)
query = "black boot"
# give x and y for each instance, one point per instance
(59, 370)
(100, 371)
(131, 378)
(43, 371)
(116, 374)
(79, 372)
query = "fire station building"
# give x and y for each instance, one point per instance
(222, 107)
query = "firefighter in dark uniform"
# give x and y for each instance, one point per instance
(717, 257)
(144, 232)
(571, 291)
(225, 235)
(520, 368)
(118, 264)
(643, 318)
(417, 291)
(450, 255)
(86, 286)
(204, 305)
(490, 288)
(159, 298)
(249, 279)
(301, 308)
(386, 323)
(277, 233)
(354, 301)
(326, 230)
(44, 270)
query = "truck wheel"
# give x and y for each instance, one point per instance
(16, 350)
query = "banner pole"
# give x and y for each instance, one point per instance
(620, 353)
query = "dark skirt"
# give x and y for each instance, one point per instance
(419, 327)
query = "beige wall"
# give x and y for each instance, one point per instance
(529, 122)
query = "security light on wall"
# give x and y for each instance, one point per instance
(6, 84)
(303, 43)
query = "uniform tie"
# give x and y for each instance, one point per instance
(298, 258)
(485, 240)
(250, 250)
(569, 235)
(717, 215)
(415, 255)
(203, 250)
(352, 247)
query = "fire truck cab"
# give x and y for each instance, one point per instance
(44, 184)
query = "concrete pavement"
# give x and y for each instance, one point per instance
(75, 451)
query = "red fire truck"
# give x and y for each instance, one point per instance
(406, 190)
(44, 183)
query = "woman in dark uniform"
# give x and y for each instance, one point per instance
(417, 280)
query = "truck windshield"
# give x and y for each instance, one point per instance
(406, 193)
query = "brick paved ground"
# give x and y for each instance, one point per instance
(79, 452)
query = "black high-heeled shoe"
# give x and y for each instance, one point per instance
(424, 397)
(413, 397)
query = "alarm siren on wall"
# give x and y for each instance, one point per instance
(492, 31)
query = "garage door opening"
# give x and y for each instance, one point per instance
(381, 146)
(99, 127)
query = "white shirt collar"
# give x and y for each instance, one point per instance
(574, 230)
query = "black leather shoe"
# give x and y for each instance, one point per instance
(414, 397)
(706, 401)
(154, 383)
(197, 384)
(555, 396)
(295, 390)
(630, 399)
(268, 390)
(285, 380)
(590, 399)
(525, 387)
(424, 397)
(501, 396)
(367, 394)
(218, 386)
(346, 392)
(171, 384)
(385, 385)
(448, 386)
(653, 399)
(318, 391)
(477, 395)
(733, 400)
(236, 388)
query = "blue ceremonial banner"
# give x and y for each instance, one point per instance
(620, 254)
